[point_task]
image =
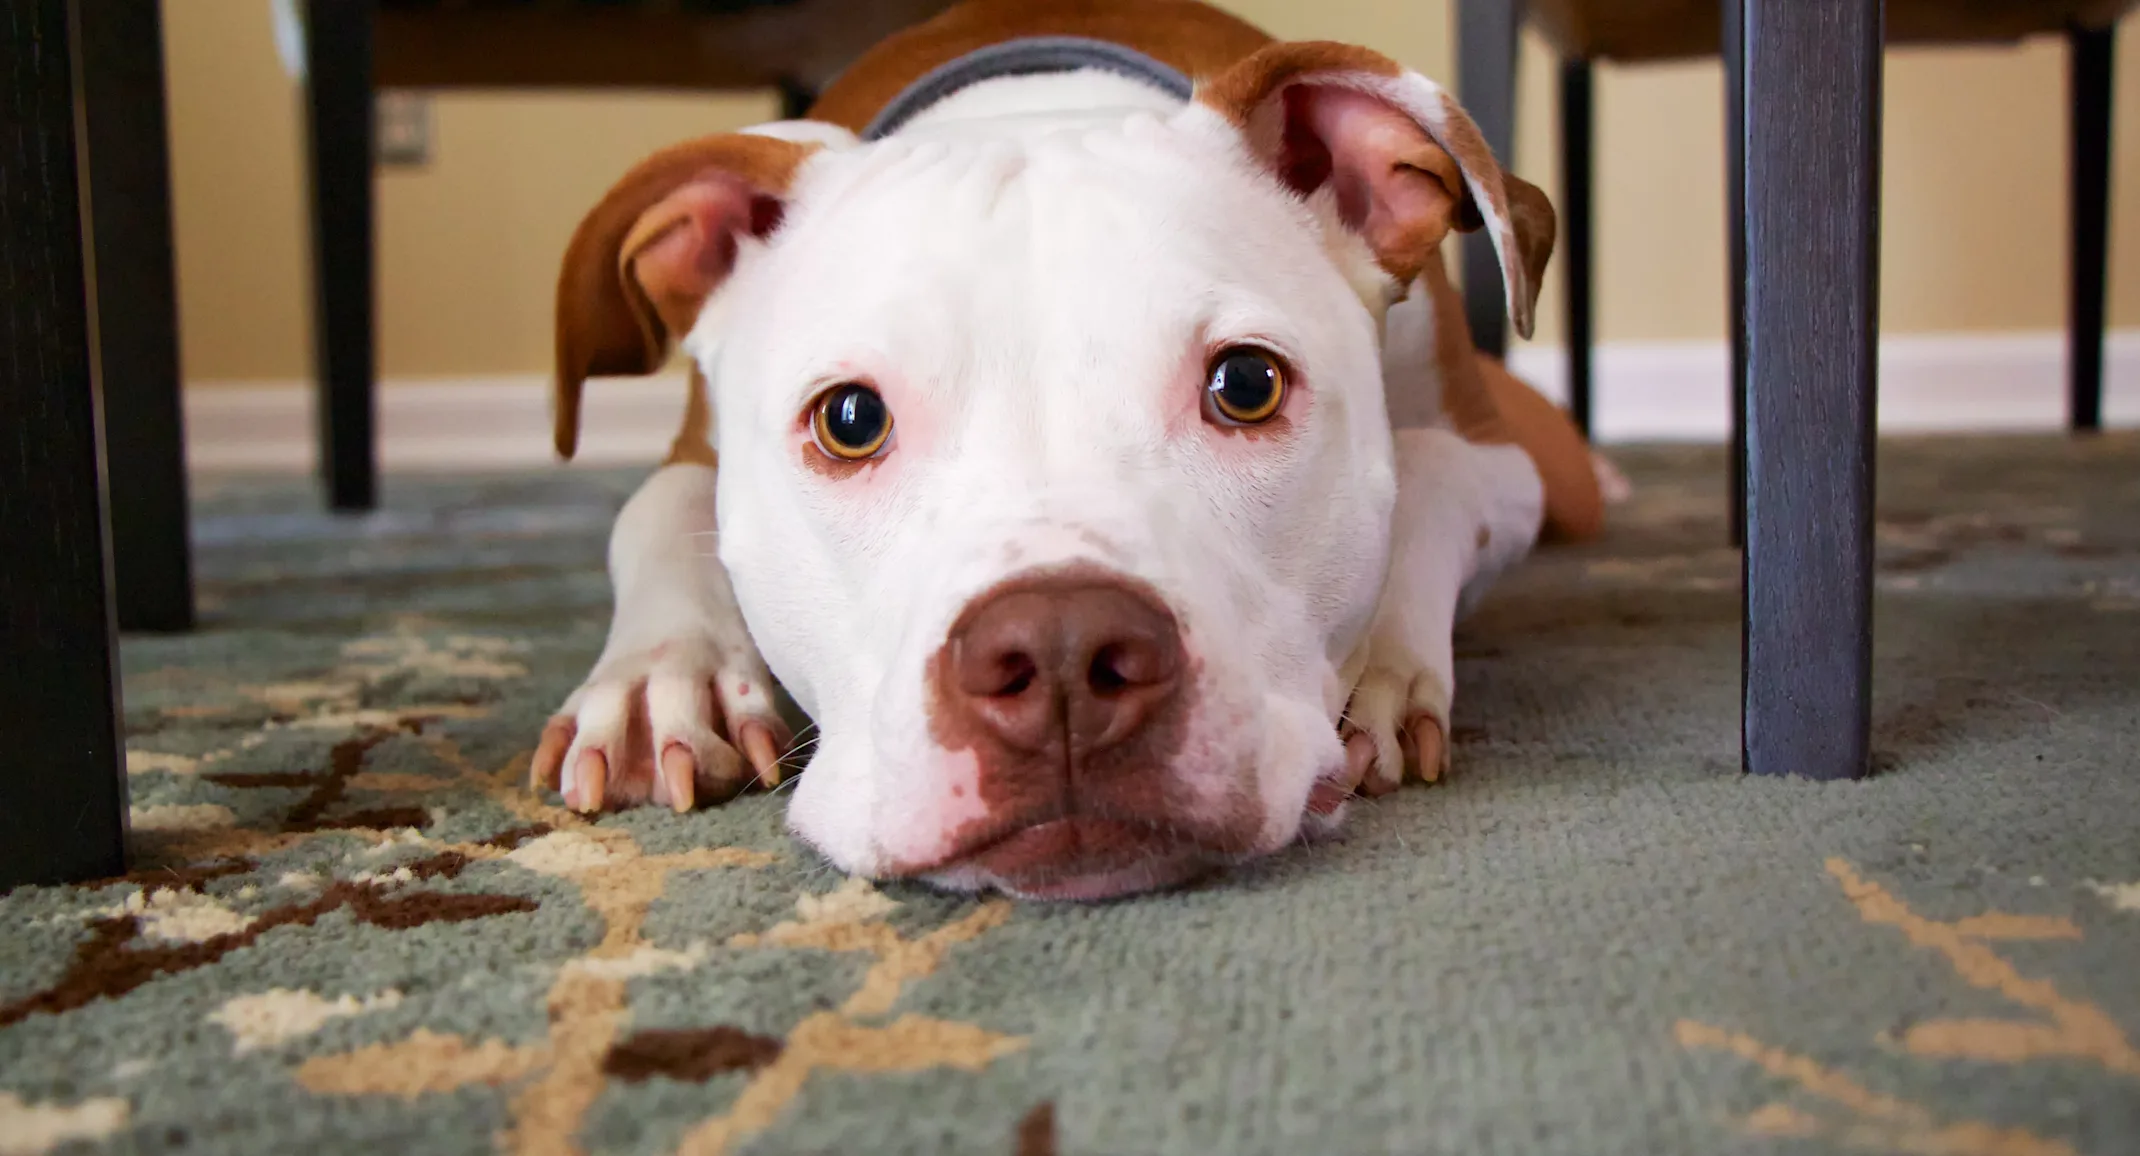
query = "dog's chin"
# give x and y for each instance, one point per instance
(1075, 859)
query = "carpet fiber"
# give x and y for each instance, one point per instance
(350, 929)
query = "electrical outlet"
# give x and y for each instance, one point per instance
(401, 129)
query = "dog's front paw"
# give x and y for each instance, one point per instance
(676, 724)
(1397, 726)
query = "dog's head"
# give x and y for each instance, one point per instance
(1055, 471)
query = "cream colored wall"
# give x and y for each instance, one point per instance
(467, 247)
(1974, 205)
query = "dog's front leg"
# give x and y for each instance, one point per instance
(1464, 513)
(679, 687)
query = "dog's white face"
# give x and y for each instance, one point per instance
(1074, 627)
(1055, 468)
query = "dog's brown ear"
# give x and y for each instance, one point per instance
(644, 259)
(1405, 163)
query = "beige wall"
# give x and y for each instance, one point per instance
(1974, 206)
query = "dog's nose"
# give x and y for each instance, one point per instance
(1070, 665)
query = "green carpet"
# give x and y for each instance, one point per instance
(351, 930)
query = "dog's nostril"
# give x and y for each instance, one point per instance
(1106, 675)
(1014, 675)
(1120, 666)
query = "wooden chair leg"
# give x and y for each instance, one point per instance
(1812, 73)
(2090, 64)
(795, 99)
(1734, 54)
(63, 781)
(1578, 148)
(1486, 82)
(129, 176)
(338, 70)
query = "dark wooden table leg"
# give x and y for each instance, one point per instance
(1486, 84)
(2090, 61)
(1734, 54)
(1812, 72)
(338, 71)
(795, 99)
(1578, 150)
(128, 169)
(62, 782)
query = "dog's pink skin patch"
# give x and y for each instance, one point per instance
(949, 800)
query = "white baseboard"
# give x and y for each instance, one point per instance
(1642, 392)
(432, 424)
(1929, 383)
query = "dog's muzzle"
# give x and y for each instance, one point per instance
(1072, 691)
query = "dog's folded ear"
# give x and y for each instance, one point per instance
(644, 260)
(1405, 163)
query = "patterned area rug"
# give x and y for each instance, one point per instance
(350, 929)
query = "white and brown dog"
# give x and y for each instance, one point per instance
(1103, 458)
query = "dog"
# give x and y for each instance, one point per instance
(1101, 461)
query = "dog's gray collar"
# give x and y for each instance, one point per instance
(1026, 56)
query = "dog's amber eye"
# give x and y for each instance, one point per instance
(851, 421)
(1246, 386)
